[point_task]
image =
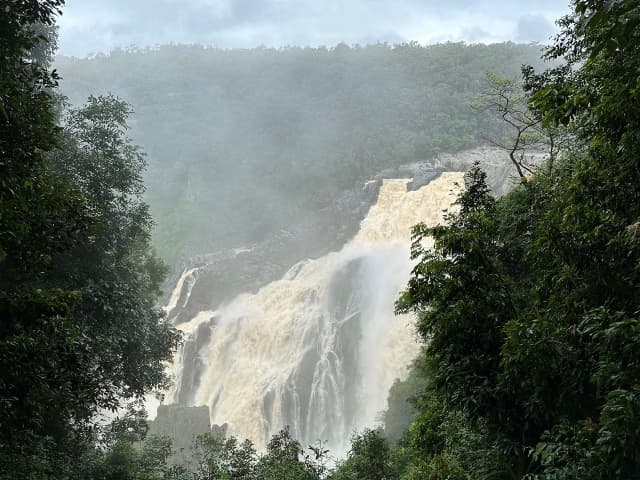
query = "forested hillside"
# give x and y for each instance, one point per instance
(244, 143)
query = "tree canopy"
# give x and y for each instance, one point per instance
(80, 331)
(529, 305)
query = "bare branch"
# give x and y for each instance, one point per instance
(504, 98)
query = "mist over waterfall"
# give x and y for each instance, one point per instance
(319, 348)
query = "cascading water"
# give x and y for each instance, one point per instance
(318, 349)
(187, 278)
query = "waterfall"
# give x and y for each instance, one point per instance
(319, 348)
(180, 290)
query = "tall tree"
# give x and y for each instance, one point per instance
(463, 298)
(530, 309)
(127, 338)
(79, 328)
(595, 232)
(40, 216)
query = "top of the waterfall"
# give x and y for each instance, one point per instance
(397, 209)
(493, 160)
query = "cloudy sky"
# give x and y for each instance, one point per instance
(91, 26)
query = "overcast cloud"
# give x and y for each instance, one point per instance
(91, 26)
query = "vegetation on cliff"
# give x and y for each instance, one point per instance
(529, 305)
(245, 143)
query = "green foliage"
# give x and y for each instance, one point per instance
(284, 460)
(401, 402)
(370, 458)
(441, 467)
(463, 298)
(40, 215)
(122, 451)
(554, 375)
(129, 338)
(227, 458)
(224, 458)
(529, 306)
(79, 330)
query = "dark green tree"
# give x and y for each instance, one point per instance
(127, 337)
(219, 457)
(284, 459)
(79, 329)
(40, 216)
(554, 378)
(370, 458)
(593, 242)
(462, 295)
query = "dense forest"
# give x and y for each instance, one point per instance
(244, 143)
(527, 305)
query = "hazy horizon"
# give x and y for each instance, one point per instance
(92, 26)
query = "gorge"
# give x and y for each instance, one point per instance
(318, 348)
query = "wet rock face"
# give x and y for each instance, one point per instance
(495, 162)
(223, 275)
(319, 390)
(182, 424)
(193, 353)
